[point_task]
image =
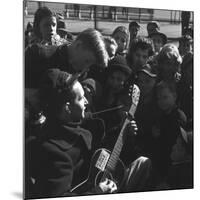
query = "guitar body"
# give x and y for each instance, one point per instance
(99, 171)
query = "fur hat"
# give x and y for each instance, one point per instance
(169, 53)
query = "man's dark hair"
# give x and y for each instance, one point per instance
(93, 40)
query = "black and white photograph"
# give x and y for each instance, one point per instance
(108, 102)
(102, 100)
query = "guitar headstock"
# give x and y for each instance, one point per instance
(134, 92)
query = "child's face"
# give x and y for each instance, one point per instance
(145, 83)
(158, 42)
(116, 81)
(151, 29)
(121, 39)
(139, 58)
(166, 99)
(178, 150)
(48, 27)
(77, 106)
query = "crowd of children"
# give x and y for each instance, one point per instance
(77, 98)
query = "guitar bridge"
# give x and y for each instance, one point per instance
(102, 160)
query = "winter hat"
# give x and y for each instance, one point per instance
(133, 23)
(61, 26)
(119, 63)
(54, 85)
(169, 53)
(154, 23)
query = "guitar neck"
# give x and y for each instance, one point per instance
(135, 93)
(118, 147)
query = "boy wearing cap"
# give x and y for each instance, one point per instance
(159, 40)
(153, 27)
(117, 74)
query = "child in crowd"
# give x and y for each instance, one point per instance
(169, 63)
(111, 46)
(134, 28)
(139, 52)
(153, 27)
(159, 40)
(45, 27)
(117, 74)
(168, 128)
(39, 55)
(122, 37)
(185, 45)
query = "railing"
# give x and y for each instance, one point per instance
(107, 13)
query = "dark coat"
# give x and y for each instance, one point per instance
(57, 160)
(37, 62)
(169, 130)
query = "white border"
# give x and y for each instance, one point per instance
(11, 103)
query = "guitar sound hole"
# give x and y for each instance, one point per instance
(101, 176)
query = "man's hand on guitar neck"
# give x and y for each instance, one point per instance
(107, 186)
